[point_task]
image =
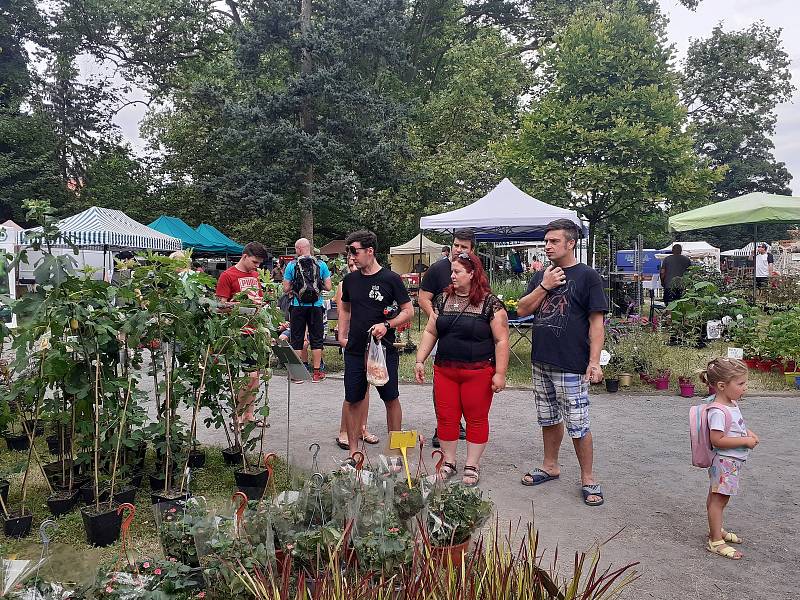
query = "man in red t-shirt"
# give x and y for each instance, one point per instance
(243, 277)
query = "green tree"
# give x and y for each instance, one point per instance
(609, 138)
(732, 82)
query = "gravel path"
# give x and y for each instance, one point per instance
(655, 499)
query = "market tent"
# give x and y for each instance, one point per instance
(756, 207)
(405, 256)
(504, 213)
(110, 228)
(216, 237)
(189, 237)
(333, 248)
(702, 251)
(747, 251)
(752, 209)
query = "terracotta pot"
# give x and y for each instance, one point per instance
(455, 553)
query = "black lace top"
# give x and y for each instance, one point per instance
(465, 334)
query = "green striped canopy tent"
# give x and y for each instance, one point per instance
(108, 228)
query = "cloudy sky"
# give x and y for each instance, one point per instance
(684, 26)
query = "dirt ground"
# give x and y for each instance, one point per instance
(655, 499)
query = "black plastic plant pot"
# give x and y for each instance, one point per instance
(4, 485)
(17, 442)
(60, 503)
(232, 456)
(612, 385)
(63, 486)
(103, 526)
(136, 479)
(197, 459)
(169, 498)
(54, 444)
(251, 483)
(39, 429)
(17, 526)
(125, 494)
(87, 492)
(53, 471)
(157, 481)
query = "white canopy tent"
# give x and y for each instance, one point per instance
(99, 231)
(506, 213)
(747, 251)
(405, 256)
(696, 251)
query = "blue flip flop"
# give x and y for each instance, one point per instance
(592, 490)
(537, 476)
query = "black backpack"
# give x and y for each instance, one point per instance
(307, 280)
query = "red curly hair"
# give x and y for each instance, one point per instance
(480, 283)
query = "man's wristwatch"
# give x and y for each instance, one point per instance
(386, 324)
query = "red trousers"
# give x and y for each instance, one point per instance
(464, 392)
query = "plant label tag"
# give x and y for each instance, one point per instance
(605, 357)
(714, 330)
(736, 353)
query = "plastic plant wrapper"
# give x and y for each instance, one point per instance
(15, 572)
(148, 580)
(258, 529)
(40, 590)
(184, 529)
(455, 512)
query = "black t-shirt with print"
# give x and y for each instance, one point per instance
(368, 296)
(561, 326)
(437, 278)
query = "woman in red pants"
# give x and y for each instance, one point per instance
(471, 325)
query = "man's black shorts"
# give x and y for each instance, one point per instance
(301, 317)
(355, 377)
(762, 282)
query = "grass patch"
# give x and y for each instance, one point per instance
(76, 561)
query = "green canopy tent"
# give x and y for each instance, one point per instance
(750, 209)
(218, 238)
(190, 238)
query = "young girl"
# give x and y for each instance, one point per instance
(729, 377)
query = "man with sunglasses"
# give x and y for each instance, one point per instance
(436, 280)
(367, 295)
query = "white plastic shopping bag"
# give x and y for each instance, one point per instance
(377, 372)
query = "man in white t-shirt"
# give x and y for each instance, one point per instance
(764, 268)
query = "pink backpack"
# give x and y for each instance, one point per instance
(700, 435)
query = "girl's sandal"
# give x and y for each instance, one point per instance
(472, 475)
(723, 550)
(447, 471)
(730, 537)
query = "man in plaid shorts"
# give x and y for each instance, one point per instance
(569, 302)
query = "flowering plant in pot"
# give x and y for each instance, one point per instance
(783, 340)
(148, 579)
(455, 512)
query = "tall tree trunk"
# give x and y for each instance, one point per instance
(306, 122)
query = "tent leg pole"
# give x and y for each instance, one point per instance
(419, 284)
(755, 251)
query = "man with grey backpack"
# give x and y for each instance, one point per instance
(305, 279)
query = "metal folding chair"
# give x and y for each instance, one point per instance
(523, 326)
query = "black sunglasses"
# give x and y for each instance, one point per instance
(353, 250)
(465, 256)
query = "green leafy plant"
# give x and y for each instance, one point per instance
(455, 513)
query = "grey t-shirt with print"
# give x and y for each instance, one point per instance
(716, 422)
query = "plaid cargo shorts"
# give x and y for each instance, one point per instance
(561, 396)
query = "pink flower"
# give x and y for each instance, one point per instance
(146, 565)
(201, 595)
(109, 589)
(173, 509)
(404, 495)
(157, 571)
(289, 546)
(173, 559)
(394, 530)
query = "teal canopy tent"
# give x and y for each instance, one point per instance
(190, 238)
(218, 238)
